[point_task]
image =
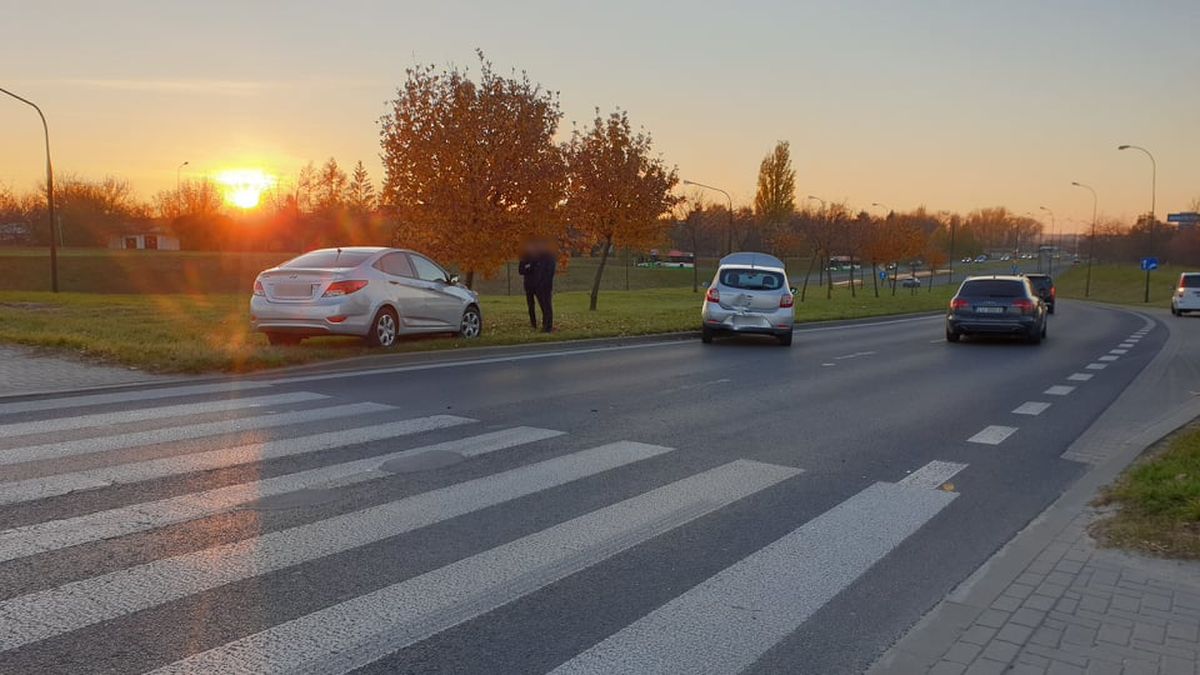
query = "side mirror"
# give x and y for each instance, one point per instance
(453, 280)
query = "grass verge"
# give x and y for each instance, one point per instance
(1120, 284)
(211, 333)
(1158, 499)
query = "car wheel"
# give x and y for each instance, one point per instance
(706, 336)
(283, 339)
(384, 329)
(1175, 312)
(472, 324)
(1035, 338)
(953, 336)
(1050, 309)
(785, 339)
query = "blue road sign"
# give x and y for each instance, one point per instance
(1149, 264)
(882, 275)
(1185, 218)
(1016, 270)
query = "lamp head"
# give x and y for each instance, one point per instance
(1122, 147)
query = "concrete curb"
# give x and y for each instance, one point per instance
(1120, 442)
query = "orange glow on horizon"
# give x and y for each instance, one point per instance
(244, 187)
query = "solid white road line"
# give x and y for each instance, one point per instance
(86, 446)
(357, 632)
(32, 489)
(1031, 408)
(730, 620)
(1096, 366)
(1118, 351)
(72, 606)
(992, 435)
(932, 475)
(65, 402)
(1108, 357)
(143, 414)
(1080, 377)
(55, 534)
(1059, 390)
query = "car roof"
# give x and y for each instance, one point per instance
(751, 259)
(997, 277)
(1037, 275)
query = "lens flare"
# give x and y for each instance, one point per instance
(244, 187)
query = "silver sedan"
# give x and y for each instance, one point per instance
(371, 292)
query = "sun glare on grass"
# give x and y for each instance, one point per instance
(244, 187)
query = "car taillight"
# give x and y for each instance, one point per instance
(1052, 292)
(959, 303)
(258, 288)
(1024, 304)
(712, 295)
(338, 288)
(787, 300)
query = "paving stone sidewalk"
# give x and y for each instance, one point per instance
(1080, 609)
(24, 371)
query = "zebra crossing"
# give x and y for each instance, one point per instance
(80, 485)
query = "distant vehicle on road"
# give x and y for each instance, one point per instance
(1186, 297)
(967, 261)
(372, 292)
(996, 305)
(749, 294)
(911, 282)
(981, 259)
(1043, 284)
(673, 259)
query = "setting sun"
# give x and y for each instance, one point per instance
(244, 187)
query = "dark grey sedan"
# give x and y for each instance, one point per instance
(999, 306)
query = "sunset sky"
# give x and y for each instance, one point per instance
(951, 104)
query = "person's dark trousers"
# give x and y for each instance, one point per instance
(545, 299)
(529, 296)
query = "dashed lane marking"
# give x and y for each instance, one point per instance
(1059, 390)
(1031, 408)
(992, 435)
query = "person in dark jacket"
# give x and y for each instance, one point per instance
(537, 266)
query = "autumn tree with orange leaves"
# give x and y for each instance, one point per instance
(471, 167)
(617, 191)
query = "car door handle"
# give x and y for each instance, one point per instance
(394, 283)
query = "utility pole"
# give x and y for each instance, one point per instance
(49, 192)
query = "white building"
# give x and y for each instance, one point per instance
(153, 240)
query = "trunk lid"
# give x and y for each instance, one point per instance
(296, 285)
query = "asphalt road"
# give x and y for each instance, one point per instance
(961, 271)
(649, 507)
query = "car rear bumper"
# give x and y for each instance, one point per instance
(1187, 303)
(728, 321)
(1005, 326)
(350, 316)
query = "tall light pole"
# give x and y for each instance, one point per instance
(177, 170)
(1153, 205)
(729, 230)
(49, 192)
(1087, 287)
(1053, 234)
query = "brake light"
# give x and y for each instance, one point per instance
(1024, 304)
(339, 288)
(786, 300)
(712, 295)
(959, 303)
(258, 288)
(1052, 292)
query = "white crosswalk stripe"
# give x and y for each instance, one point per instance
(68, 402)
(135, 472)
(181, 433)
(44, 614)
(721, 625)
(142, 414)
(56, 534)
(357, 632)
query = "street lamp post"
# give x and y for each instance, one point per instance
(1087, 286)
(1153, 206)
(729, 229)
(1053, 235)
(177, 170)
(49, 192)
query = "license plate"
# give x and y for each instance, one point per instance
(990, 310)
(293, 290)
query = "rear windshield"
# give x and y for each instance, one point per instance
(751, 279)
(329, 259)
(1190, 281)
(993, 288)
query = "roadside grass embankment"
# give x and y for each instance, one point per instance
(189, 333)
(1119, 284)
(1158, 500)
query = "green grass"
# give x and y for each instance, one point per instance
(1159, 500)
(92, 270)
(210, 333)
(1121, 284)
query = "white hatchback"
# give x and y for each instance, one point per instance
(1186, 297)
(749, 294)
